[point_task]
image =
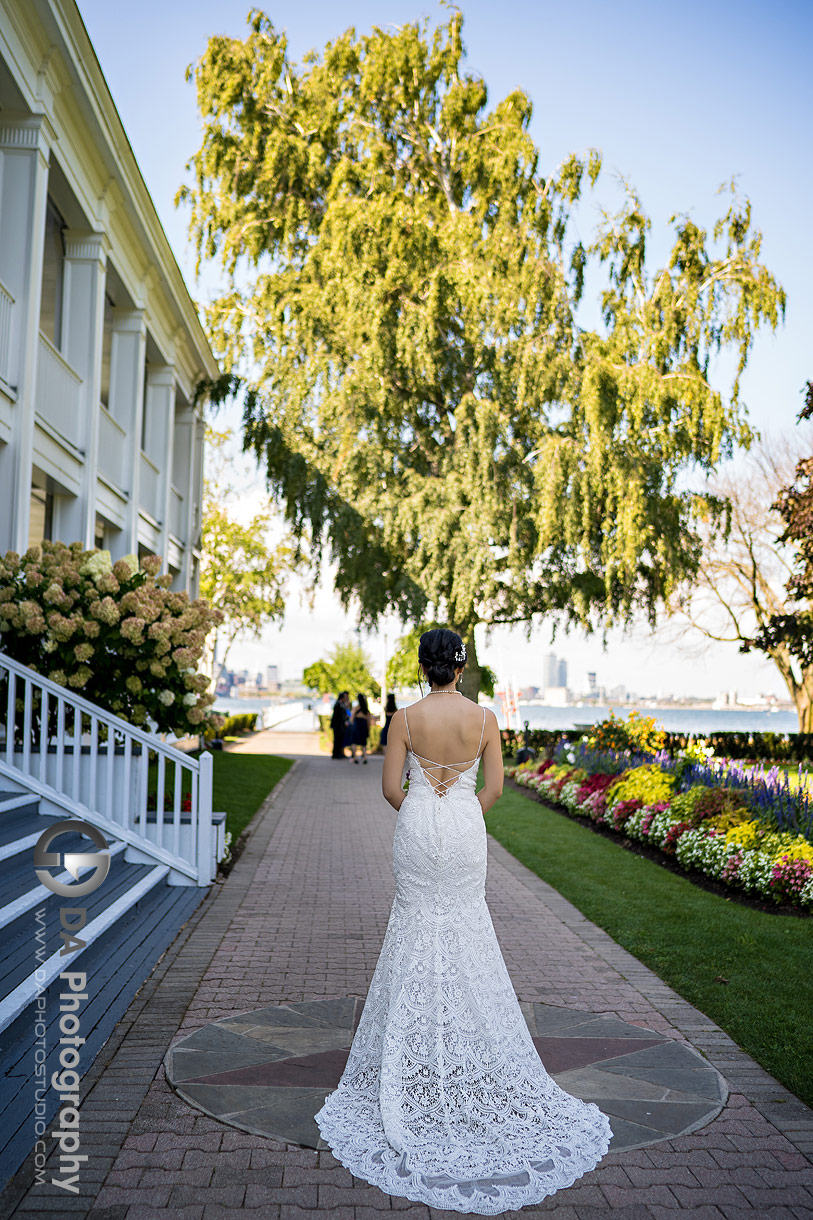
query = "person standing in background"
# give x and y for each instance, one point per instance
(348, 724)
(361, 728)
(338, 723)
(389, 711)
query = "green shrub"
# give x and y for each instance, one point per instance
(113, 632)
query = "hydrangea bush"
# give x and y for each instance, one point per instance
(717, 830)
(113, 632)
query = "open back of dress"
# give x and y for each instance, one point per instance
(441, 785)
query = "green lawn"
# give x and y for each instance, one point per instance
(240, 784)
(687, 935)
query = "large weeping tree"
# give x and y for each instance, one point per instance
(401, 308)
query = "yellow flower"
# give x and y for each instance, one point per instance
(800, 850)
(647, 784)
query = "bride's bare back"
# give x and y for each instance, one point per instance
(446, 732)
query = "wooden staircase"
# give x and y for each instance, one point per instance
(162, 846)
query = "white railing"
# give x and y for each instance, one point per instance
(112, 448)
(177, 513)
(149, 491)
(94, 765)
(6, 307)
(58, 391)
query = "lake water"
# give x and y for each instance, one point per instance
(674, 720)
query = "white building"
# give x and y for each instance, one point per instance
(554, 679)
(550, 670)
(100, 343)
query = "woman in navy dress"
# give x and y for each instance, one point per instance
(361, 728)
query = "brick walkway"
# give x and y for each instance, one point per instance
(302, 916)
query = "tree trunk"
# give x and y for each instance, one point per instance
(470, 686)
(803, 698)
(801, 691)
(804, 710)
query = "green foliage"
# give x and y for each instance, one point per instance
(404, 672)
(402, 306)
(241, 722)
(347, 668)
(648, 784)
(240, 784)
(242, 574)
(792, 629)
(700, 802)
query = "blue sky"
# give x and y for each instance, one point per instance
(679, 98)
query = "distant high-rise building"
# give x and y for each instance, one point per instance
(272, 675)
(591, 680)
(554, 672)
(550, 670)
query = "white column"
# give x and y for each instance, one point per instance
(196, 503)
(159, 439)
(182, 466)
(24, 155)
(82, 325)
(127, 353)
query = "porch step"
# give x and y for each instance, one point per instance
(32, 944)
(37, 894)
(131, 919)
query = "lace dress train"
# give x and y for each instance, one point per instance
(444, 1099)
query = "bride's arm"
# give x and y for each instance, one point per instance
(394, 760)
(492, 764)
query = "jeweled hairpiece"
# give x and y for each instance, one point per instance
(461, 656)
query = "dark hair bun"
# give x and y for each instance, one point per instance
(441, 652)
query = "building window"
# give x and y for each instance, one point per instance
(41, 516)
(53, 264)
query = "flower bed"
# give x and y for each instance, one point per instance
(772, 747)
(735, 827)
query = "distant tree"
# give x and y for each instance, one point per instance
(740, 592)
(242, 573)
(402, 307)
(403, 670)
(347, 668)
(788, 631)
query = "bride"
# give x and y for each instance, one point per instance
(444, 1099)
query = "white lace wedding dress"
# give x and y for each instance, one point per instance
(444, 1099)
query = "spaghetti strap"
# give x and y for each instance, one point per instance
(409, 735)
(482, 732)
